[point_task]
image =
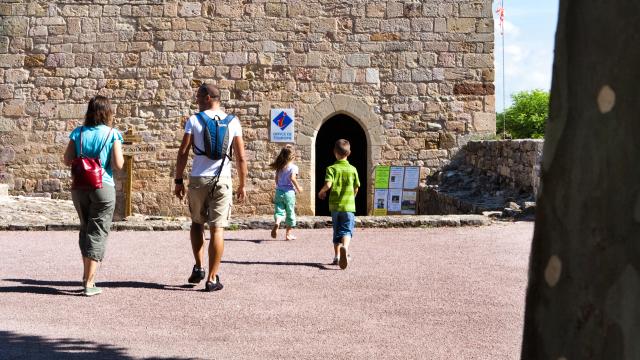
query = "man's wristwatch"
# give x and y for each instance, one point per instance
(178, 181)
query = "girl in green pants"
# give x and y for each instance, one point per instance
(286, 188)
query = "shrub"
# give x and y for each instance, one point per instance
(527, 117)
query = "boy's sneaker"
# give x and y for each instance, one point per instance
(335, 260)
(91, 291)
(197, 275)
(211, 286)
(274, 230)
(344, 258)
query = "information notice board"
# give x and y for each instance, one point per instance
(396, 190)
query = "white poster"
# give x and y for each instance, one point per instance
(411, 177)
(394, 201)
(409, 202)
(282, 124)
(380, 202)
(396, 177)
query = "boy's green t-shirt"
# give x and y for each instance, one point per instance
(344, 178)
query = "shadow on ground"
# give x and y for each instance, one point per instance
(279, 263)
(53, 287)
(18, 346)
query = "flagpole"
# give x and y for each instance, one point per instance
(504, 89)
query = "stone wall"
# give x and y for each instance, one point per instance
(517, 162)
(484, 175)
(417, 76)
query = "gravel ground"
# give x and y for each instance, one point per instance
(436, 293)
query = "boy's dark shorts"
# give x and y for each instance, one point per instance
(343, 225)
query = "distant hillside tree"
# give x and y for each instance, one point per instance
(527, 117)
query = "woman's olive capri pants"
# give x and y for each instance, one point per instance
(95, 209)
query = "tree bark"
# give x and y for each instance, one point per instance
(583, 298)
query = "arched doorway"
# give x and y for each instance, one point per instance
(341, 127)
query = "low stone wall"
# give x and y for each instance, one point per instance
(516, 161)
(484, 176)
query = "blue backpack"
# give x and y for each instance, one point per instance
(216, 136)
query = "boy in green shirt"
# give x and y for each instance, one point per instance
(342, 179)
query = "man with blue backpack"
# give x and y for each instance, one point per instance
(215, 138)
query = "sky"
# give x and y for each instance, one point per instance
(529, 36)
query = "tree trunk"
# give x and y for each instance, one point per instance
(583, 299)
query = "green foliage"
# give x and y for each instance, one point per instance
(527, 117)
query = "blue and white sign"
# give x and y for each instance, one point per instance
(282, 121)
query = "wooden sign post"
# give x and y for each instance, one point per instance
(129, 138)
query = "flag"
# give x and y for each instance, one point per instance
(500, 13)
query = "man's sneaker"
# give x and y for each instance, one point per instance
(335, 260)
(210, 286)
(344, 258)
(91, 291)
(197, 275)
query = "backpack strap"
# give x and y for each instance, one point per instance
(227, 120)
(102, 148)
(81, 128)
(202, 119)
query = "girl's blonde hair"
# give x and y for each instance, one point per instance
(284, 157)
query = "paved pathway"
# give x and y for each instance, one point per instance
(437, 293)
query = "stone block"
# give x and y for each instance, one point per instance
(6, 91)
(14, 108)
(461, 25)
(348, 75)
(6, 124)
(384, 37)
(39, 31)
(324, 25)
(447, 59)
(440, 25)
(422, 25)
(276, 10)
(11, 60)
(359, 60)
(4, 191)
(4, 44)
(485, 26)
(474, 10)
(419, 75)
(484, 122)
(395, 9)
(407, 89)
(72, 111)
(297, 59)
(75, 10)
(190, 9)
(402, 75)
(376, 9)
(473, 88)
(60, 60)
(236, 58)
(389, 89)
(478, 60)
(14, 26)
(438, 74)
(373, 76)
(367, 25)
(395, 25)
(16, 76)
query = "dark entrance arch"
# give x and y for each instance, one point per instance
(341, 127)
